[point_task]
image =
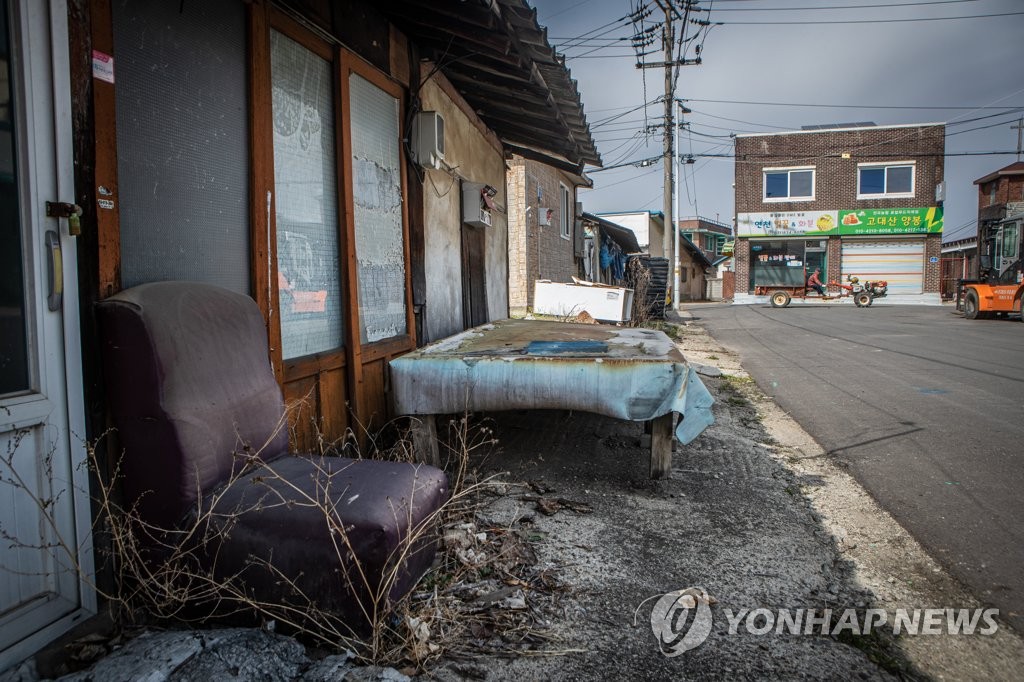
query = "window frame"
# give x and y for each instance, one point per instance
(565, 198)
(788, 170)
(287, 28)
(351, 63)
(265, 195)
(886, 165)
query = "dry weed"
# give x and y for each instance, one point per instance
(479, 596)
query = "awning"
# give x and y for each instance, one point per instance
(498, 57)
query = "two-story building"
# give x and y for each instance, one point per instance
(710, 236)
(853, 200)
(1000, 217)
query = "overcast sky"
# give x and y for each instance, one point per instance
(949, 70)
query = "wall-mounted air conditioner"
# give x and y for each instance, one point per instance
(476, 203)
(428, 140)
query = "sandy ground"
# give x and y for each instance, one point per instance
(753, 513)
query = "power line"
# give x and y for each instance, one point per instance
(862, 21)
(839, 106)
(621, 20)
(609, 119)
(635, 177)
(635, 162)
(605, 56)
(804, 9)
(549, 17)
(758, 158)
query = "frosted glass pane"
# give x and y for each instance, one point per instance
(377, 188)
(306, 200)
(182, 142)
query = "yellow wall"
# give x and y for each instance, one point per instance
(473, 158)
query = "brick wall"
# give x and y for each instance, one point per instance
(515, 179)
(932, 271)
(537, 251)
(835, 182)
(741, 257)
(1008, 188)
(836, 178)
(833, 259)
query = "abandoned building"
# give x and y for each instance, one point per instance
(340, 163)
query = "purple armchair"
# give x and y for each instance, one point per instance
(193, 398)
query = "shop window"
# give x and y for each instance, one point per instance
(377, 202)
(565, 219)
(788, 184)
(777, 262)
(306, 200)
(875, 181)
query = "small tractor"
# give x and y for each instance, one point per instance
(999, 289)
(863, 293)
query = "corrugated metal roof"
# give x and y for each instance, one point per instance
(498, 57)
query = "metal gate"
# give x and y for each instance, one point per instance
(900, 263)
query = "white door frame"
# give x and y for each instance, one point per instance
(42, 87)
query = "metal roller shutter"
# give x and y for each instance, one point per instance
(900, 263)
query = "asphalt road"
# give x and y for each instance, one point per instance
(926, 409)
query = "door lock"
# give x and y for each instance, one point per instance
(73, 213)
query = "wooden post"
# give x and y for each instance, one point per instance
(661, 445)
(424, 439)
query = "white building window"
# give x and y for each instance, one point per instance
(885, 180)
(566, 212)
(789, 184)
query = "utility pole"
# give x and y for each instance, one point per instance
(670, 235)
(668, 37)
(675, 229)
(1020, 128)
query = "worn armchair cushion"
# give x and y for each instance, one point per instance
(347, 533)
(201, 420)
(189, 383)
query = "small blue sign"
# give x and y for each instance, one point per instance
(933, 259)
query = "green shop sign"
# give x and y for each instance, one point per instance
(891, 221)
(868, 221)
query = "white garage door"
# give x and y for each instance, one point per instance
(900, 263)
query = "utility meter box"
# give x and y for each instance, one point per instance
(475, 211)
(429, 139)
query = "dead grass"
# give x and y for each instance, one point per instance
(482, 595)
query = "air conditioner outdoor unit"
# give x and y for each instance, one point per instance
(475, 211)
(429, 139)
